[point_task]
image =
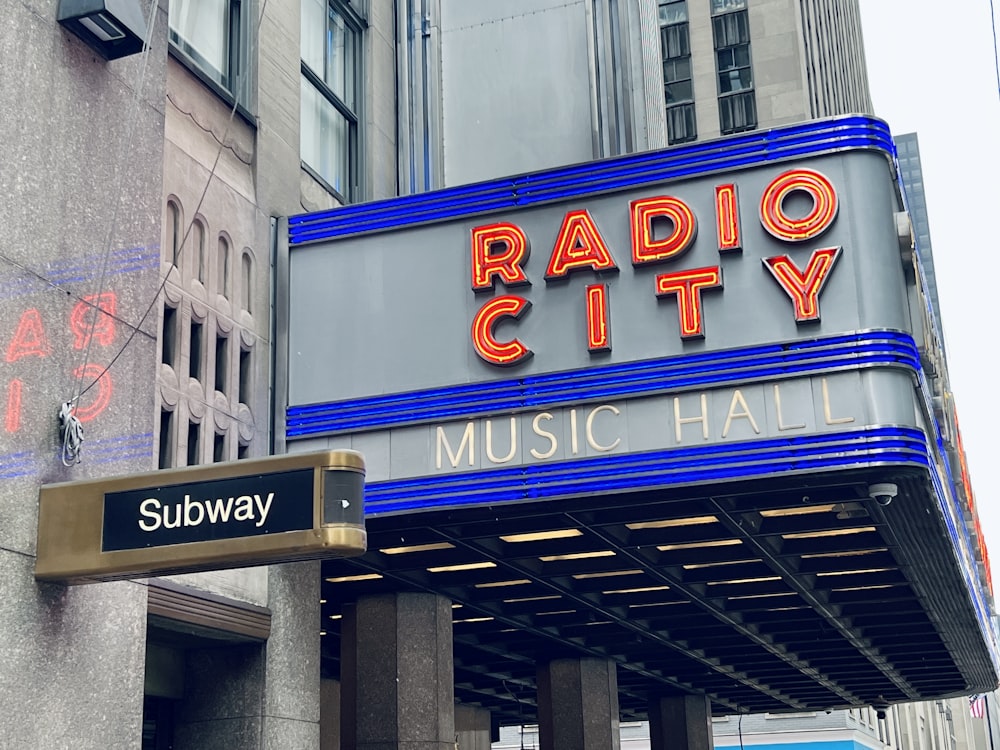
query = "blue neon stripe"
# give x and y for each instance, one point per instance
(619, 173)
(638, 471)
(612, 381)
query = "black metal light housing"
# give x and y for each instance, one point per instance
(113, 28)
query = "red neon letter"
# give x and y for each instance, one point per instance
(727, 218)
(90, 371)
(488, 262)
(598, 330)
(13, 419)
(645, 249)
(803, 287)
(818, 220)
(96, 311)
(579, 245)
(688, 286)
(487, 347)
(29, 338)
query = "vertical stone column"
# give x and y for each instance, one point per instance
(578, 705)
(397, 674)
(682, 722)
(266, 695)
(291, 664)
(221, 707)
(329, 715)
(472, 727)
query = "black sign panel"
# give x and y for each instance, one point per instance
(206, 511)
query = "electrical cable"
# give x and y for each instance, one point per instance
(72, 428)
(180, 249)
(996, 53)
(117, 200)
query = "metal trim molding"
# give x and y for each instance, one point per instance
(203, 610)
(875, 446)
(631, 379)
(608, 175)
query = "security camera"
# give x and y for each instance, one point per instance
(883, 493)
(880, 707)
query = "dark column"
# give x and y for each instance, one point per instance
(397, 674)
(578, 705)
(472, 728)
(680, 723)
(329, 715)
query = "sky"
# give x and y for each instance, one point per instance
(932, 71)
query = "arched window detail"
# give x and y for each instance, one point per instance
(223, 266)
(173, 230)
(198, 249)
(246, 291)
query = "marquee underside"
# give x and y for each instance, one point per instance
(791, 594)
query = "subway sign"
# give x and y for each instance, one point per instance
(250, 505)
(698, 302)
(199, 518)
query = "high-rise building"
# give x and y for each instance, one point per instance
(147, 202)
(730, 66)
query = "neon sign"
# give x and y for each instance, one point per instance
(91, 322)
(500, 252)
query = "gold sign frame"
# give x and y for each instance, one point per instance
(71, 521)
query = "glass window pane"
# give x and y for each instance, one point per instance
(339, 72)
(314, 34)
(737, 113)
(324, 139)
(674, 41)
(680, 124)
(201, 29)
(677, 70)
(731, 29)
(673, 13)
(678, 92)
(735, 80)
(724, 6)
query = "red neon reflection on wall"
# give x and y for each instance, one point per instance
(91, 322)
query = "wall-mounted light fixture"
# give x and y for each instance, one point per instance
(113, 28)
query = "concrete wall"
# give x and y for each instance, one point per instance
(81, 144)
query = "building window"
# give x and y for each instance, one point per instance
(174, 231)
(194, 443)
(331, 54)
(675, 48)
(210, 37)
(219, 447)
(222, 364)
(246, 292)
(737, 104)
(673, 11)
(166, 439)
(168, 340)
(223, 268)
(727, 6)
(245, 374)
(197, 346)
(737, 113)
(198, 242)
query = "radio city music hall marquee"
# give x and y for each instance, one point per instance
(650, 303)
(499, 253)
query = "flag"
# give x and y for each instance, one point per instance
(977, 706)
